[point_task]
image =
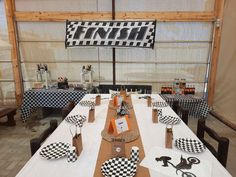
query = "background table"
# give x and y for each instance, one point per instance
(197, 106)
(52, 98)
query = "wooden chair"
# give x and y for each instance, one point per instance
(67, 109)
(182, 113)
(35, 143)
(223, 143)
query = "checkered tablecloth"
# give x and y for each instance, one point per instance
(52, 98)
(197, 106)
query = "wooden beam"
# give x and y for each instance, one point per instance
(219, 10)
(159, 16)
(9, 8)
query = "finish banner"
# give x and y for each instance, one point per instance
(110, 33)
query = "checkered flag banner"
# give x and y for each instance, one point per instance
(110, 33)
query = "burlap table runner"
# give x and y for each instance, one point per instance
(105, 148)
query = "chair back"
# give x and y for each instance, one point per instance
(182, 112)
(223, 143)
(35, 143)
(143, 89)
(67, 109)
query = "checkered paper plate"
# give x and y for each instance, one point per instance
(87, 103)
(54, 150)
(169, 120)
(190, 145)
(159, 104)
(76, 119)
(118, 167)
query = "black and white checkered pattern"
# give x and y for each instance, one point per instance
(72, 40)
(159, 104)
(159, 113)
(169, 120)
(53, 98)
(87, 103)
(54, 150)
(118, 167)
(77, 120)
(71, 154)
(197, 107)
(134, 154)
(190, 145)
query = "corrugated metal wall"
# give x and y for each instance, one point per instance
(181, 49)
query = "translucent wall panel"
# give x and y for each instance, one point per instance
(164, 5)
(41, 31)
(56, 5)
(55, 52)
(3, 23)
(6, 71)
(7, 93)
(183, 31)
(121, 5)
(160, 72)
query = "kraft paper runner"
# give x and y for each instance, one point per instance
(105, 147)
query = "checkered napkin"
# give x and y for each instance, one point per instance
(118, 167)
(77, 120)
(87, 103)
(169, 120)
(159, 104)
(190, 145)
(54, 150)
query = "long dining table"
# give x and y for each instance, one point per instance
(151, 135)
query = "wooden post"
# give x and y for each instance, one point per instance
(219, 10)
(9, 8)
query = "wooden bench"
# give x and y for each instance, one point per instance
(9, 112)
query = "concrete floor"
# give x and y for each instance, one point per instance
(15, 149)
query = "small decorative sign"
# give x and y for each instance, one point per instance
(119, 125)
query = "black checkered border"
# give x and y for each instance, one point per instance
(169, 120)
(148, 42)
(77, 119)
(71, 155)
(54, 150)
(87, 103)
(159, 104)
(118, 167)
(190, 145)
(48, 98)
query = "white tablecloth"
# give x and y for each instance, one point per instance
(151, 134)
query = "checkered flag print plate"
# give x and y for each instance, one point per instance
(159, 104)
(190, 145)
(54, 150)
(118, 167)
(76, 119)
(87, 103)
(169, 120)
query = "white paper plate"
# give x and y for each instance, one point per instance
(76, 119)
(169, 120)
(159, 104)
(190, 145)
(118, 166)
(54, 150)
(87, 103)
